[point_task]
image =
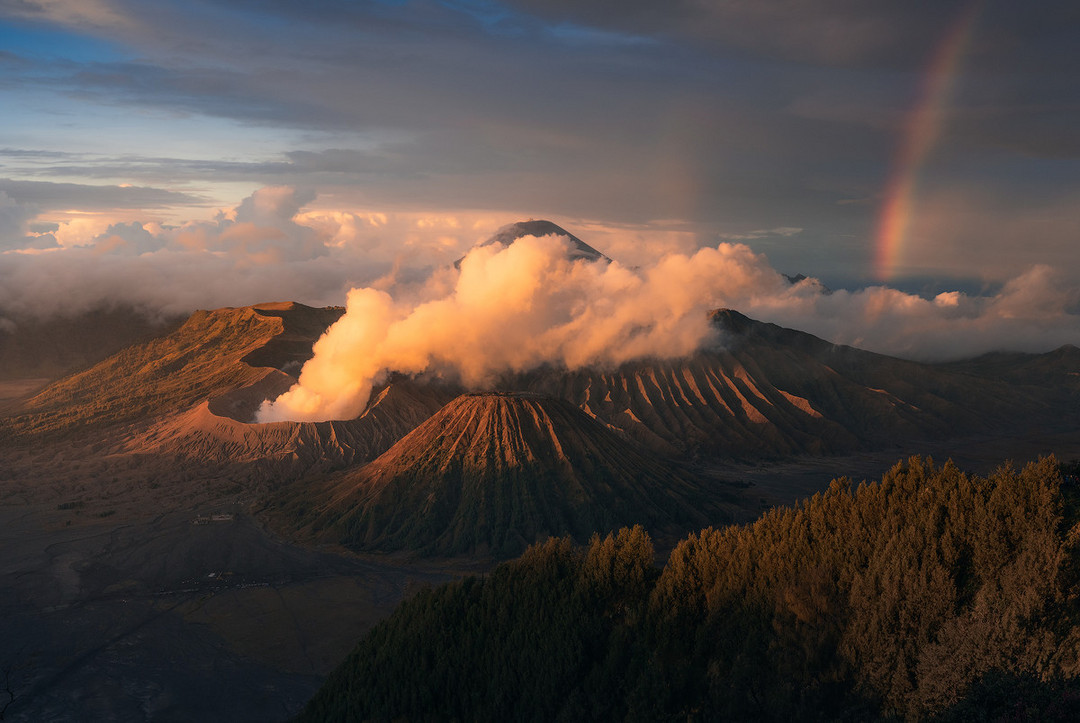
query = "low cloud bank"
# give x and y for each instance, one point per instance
(1037, 311)
(267, 248)
(519, 307)
(506, 309)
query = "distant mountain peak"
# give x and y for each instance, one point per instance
(511, 232)
(800, 278)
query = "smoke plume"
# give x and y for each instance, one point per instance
(518, 307)
(515, 308)
(506, 309)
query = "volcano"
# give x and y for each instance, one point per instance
(144, 507)
(762, 393)
(769, 392)
(492, 473)
(510, 233)
(765, 393)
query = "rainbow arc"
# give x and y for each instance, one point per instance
(921, 132)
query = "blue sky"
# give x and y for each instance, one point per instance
(654, 126)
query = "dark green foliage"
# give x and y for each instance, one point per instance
(999, 696)
(533, 641)
(929, 594)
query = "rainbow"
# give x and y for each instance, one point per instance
(921, 131)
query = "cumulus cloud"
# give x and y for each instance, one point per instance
(506, 309)
(527, 305)
(14, 226)
(1034, 312)
(269, 247)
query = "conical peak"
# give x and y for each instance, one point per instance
(497, 471)
(483, 417)
(512, 232)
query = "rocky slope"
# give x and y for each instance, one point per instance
(1054, 370)
(48, 348)
(213, 432)
(491, 473)
(205, 358)
(190, 397)
(769, 391)
(764, 392)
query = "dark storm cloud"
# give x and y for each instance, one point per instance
(434, 80)
(423, 67)
(34, 154)
(721, 116)
(853, 33)
(47, 195)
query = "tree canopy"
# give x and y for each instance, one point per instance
(931, 593)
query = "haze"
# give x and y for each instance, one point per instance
(295, 151)
(366, 358)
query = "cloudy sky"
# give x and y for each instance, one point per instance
(304, 147)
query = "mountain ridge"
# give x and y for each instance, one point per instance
(203, 358)
(768, 392)
(511, 232)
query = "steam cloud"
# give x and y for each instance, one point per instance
(518, 307)
(507, 309)
(510, 308)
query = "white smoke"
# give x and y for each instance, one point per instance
(522, 306)
(515, 308)
(507, 309)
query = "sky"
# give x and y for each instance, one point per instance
(204, 152)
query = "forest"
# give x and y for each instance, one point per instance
(931, 594)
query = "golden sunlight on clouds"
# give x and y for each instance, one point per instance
(82, 228)
(274, 245)
(640, 245)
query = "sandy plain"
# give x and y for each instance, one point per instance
(135, 588)
(130, 590)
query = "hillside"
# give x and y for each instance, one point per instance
(1058, 369)
(219, 432)
(48, 348)
(492, 473)
(764, 393)
(206, 357)
(511, 232)
(771, 392)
